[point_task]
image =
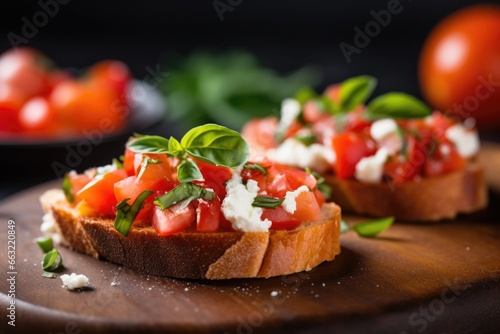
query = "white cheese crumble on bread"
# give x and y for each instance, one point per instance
(290, 204)
(466, 141)
(74, 281)
(237, 206)
(371, 169)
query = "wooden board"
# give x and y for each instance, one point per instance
(413, 279)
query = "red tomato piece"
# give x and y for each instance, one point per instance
(215, 177)
(208, 214)
(172, 220)
(78, 181)
(259, 133)
(99, 193)
(281, 219)
(283, 178)
(308, 208)
(112, 73)
(350, 147)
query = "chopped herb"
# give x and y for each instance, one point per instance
(45, 243)
(373, 228)
(305, 94)
(52, 261)
(67, 188)
(306, 139)
(267, 202)
(47, 274)
(186, 192)
(117, 163)
(125, 213)
(258, 167)
(355, 91)
(322, 185)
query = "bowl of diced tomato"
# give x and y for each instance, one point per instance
(50, 113)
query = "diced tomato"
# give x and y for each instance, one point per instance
(208, 214)
(442, 163)
(128, 161)
(440, 123)
(259, 133)
(356, 122)
(78, 181)
(333, 92)
(160, 167)
(215, 177)
(281, 219)
(308, 208)
(320, 197)
(312, 112)
(350, 147)
(172, 220)
(283, 178)
(111, 73)
(99, 193)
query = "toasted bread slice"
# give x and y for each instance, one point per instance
(211, 255)
(427, 199)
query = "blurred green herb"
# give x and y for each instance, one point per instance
(227, 89)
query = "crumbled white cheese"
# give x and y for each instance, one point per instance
(371, 169)
(105, 169)
(289, 204)
(382, 128)
(466, 141)
(237, 206)
(294, 153)
(49, 228)
(290, 109)
(74, 281)
(385, 133)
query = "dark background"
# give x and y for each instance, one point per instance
(283, 35)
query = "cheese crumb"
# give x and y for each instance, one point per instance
(290, 204)
(385, 133)
(49, 228)
(74, 281)
(237, 206)
(294, 153)
(274, 293)
(371, 169)
(466, 141)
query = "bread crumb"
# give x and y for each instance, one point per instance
(274, 293)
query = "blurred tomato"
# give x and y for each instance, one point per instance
(24, 69)
(460, 65)
(112, 73)
(37, 117)
(87, 105)
(11, 101)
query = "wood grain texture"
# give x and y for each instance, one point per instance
(412, 279)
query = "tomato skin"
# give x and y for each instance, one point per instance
(78, 181)
(458, 59)
(172, 220)
(37, 117)
(308, 208)
(153, 172)
(281, 219)
(350, 147)
(259, 133)
(99, 193)
(282, 178)
(112, 73)
(208, 214)
(444, 163)
(214, 177)
(128, 162)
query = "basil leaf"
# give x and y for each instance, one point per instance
(306, 139)
(125, 213)
(344, 227)
(267, 202)
(327, 104)
(188, 171)
(305, 94)
(373, 228)
(183, 192)
(397, 105)
(355, 91)
(45, 244)
(117, 163)
(322, 185)
(52, 261)
(175, 148)
(258, 167)
(67, 188)
(216, 145)
(149, 144)
(49, 275)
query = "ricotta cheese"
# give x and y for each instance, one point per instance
(466, 141)
(49, 228)
(237, 206)
(289, 203)
(371, 169)
(74, 281)
(294, 153)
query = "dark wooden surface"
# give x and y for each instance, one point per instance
(435, 278)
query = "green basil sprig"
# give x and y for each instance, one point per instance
(45, 244)
(186, 192)
(125, 213)
(371, 229)
(210, 143)
(305, 94)
(267, 202)
(67, 188)
(397, 105)
(355, 91)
